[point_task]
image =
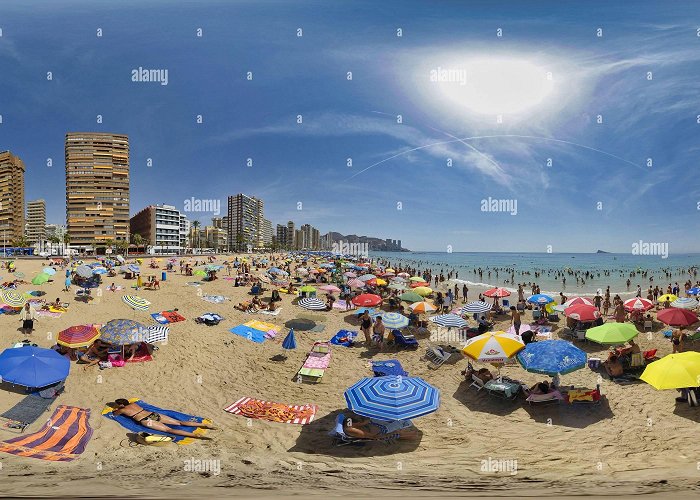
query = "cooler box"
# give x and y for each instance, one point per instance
(593, 363)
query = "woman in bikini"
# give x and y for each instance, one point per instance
(155, 421)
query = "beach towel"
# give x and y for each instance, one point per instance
(215, 299)
(261, 325)
(157, 333)
(209, 319)
(318, 360)
(270, 313)
(160, 318)
(47, 314)
(340, 304)
(129, 424)
(173, 316)
(62, 438)
(257, 336)
(344, 338)
(273, 412)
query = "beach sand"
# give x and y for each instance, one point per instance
(639, 441)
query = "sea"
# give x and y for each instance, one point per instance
(608, 269)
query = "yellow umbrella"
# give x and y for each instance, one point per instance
(423, 291)
(550, 307)
(493, 347)
(381, 282)
(667, 297)
(416, 278)
(422, 307)
(674, 371)
(389, 270)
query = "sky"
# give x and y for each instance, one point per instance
(578, 122)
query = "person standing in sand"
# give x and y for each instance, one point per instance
(515, 320)
(365, 326)
(620, 312)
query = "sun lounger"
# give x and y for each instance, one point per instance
(407, 340)
(503, 387)
(436, 356)
(29, 409)
(340, 438)
(316, 363)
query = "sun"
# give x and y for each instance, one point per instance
(494, 86)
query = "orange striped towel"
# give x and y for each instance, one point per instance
(274, 412)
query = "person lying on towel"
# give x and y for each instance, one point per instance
(154, 420)
(364, 428)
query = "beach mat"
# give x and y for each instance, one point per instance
(62, 439)
(129, 424)
(271, 313)
(173, 316)
(318, 329)
(261, 325)
(249, 333)
(273, 412)
(47, 314)
(344, 338)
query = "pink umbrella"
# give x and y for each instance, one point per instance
(582, 312)
(350, 275)
(638, 304)
(329, 288)
(355, 283)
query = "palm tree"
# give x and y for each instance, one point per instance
(137, 239)
(66, 241)
(195, 225)
(109, 243)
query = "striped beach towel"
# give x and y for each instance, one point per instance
(157, 333)
(62, 438)
(273, 412)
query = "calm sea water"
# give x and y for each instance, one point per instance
(620, 266)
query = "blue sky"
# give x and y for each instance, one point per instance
(549, 76)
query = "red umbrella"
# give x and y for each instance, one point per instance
(638, 304)
(497, 292)
(677, 317)
(367, 300)
(582, 312)
(416, 284)
(578, 301)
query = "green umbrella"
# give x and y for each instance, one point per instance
(612, 333)
(40, 279)
(410, 297)
(199, 272)
(307, 288)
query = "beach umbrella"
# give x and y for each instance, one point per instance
(493, 347)
(376, 282)
(389, 270)
(99, 270)
(540, 298)
(366, 277)
(264, 279)
(136, 303)
(551, 357)
(84, 271)
(289, 342)
(418, 284)
(423, 291)
(78, 336)
(415, 278)
(329, 288)
(277, 270)
(350, 274)
(49, 270)
(312, 303)
(674, 371)
(355, 283)
(12, 298)
(410, 297)
(398, 286)
(394, 320)
(685, 303)
(667, 297)
(497, 292)
(134, 268)
(367, 300)
(40, 279)
(677, 317)
(120, 332)
(33, 367)
(397, 279)
(476, 307)
(392, 398)
(612, 333)
(582, 312)
(404, 275)
(637, 304)
(693, 291)
(422, 307)
(573, 302)
(449, 320)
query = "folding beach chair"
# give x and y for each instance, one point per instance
(436, 356)
(407, 340)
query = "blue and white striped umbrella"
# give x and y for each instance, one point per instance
(449, 320)
(540, 298)
(685, 303)
(312, 303)
(84, 271)
(394, 320)
(476, 307)
(551, 357)
(392, 398)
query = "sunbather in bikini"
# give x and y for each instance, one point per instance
(364, 428)
(154, 420)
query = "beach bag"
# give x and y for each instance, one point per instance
(116, 360)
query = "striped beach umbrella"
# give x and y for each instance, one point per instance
(493, 347)
(367, 300)
(540, 298)
(84, 271)
(449, 320)
(422, 307)
(394, 320)
(476, 307)
(637, 304)
(78, 336)
(392, 398)
(685, 303)
(575, 301)
(355, 283)
(497, 292)
(123, 332)
(312, 304)
(349, 274)
(12, 298)
(136, 303)
(551, 357)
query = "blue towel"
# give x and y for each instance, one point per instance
(129, 424)
(342, 334)
(388, 367)
(249, 333)
(160, 318)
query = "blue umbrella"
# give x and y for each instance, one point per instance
(392, 398)
(289, 341)
(49, 270)
(33, 366)
(694, 291)
(134, 268)
(540, 298)
(551, 357)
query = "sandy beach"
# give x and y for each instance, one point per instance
(638, 441)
